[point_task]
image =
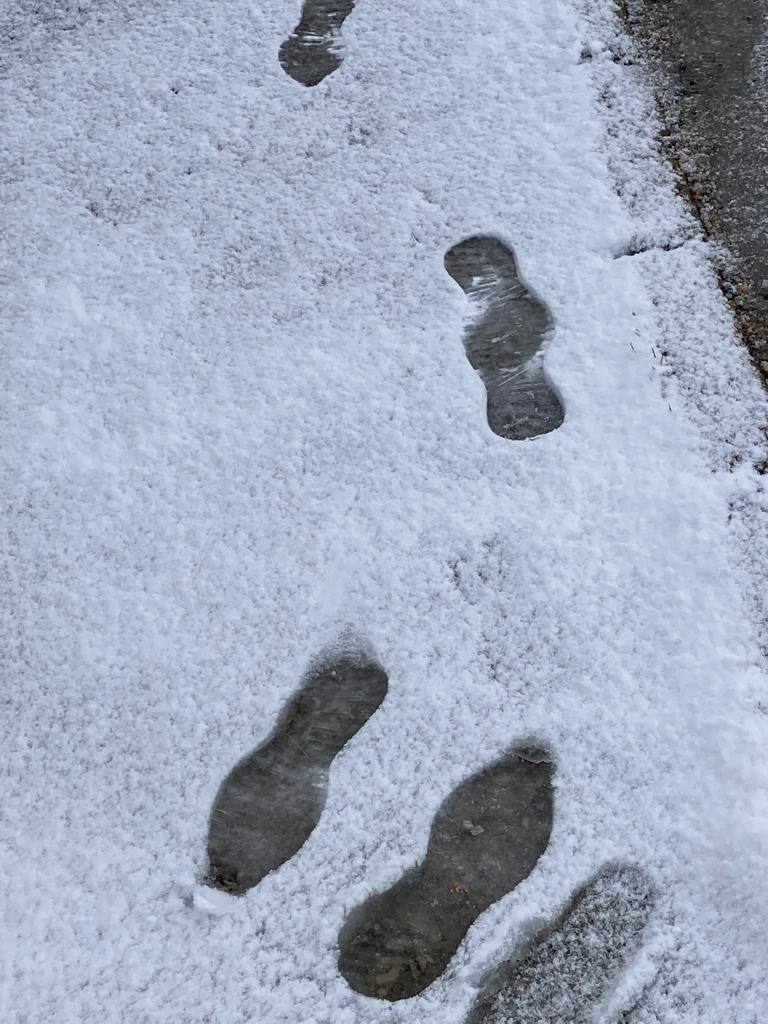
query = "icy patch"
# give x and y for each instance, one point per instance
(314, 50)
(509, 325)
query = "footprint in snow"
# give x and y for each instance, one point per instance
(271, 801)
(485, 839)
(569, 972)
(504, 343)
(312, 50)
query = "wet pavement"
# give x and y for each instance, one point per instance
(485, 839)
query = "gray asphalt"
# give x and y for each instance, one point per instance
(714, 54)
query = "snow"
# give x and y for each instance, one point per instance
(240, 423)
(213, 902)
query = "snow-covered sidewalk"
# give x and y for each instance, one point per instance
(241, 424)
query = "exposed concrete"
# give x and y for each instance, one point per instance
(715, 56)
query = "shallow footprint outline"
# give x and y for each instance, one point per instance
(486, 837)
(311, 52)
(504, 343)
(271, 801)
(568, 971)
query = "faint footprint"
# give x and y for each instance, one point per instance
(312, 50)
(568, 973)
(504, 343)
(271, 801)
(485, 839)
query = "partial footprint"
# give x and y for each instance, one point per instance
(485, 839)
(504, 343)
(569, 972)
(312, 50)
(271, 801)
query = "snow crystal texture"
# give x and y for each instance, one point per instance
(239, 420)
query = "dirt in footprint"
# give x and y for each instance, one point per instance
(313, 51)
(485, 839)
(271, 801)
(504, 341)
(570, 971)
